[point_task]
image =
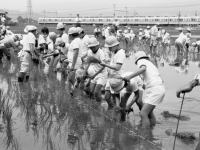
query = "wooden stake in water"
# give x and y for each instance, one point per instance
(178, 121)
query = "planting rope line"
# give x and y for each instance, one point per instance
(136, 134)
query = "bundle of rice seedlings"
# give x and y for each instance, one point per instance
(186, 136)
(166, 114)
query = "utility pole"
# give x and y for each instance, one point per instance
(114, 10)
(195, 13)
(179, 15)
(44, 17)
(29, 10)
(126, 15)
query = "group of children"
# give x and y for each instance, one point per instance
(81, 62)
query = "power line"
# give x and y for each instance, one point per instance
(165, 6)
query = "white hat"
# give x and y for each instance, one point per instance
(111, 41)
(59, 41)
(194, 44)
(26, 29)
(72, 30)
(126, 31)
(52, 35)
(163, 31)
(8, 27)
(180, 29)
(60, 25)
(148, 27)
(116, 84)
(158, 23)
(129, 28)
(139, 55)
(92, 42)
(188, 29)
(32, 28)
(79, 29)
(140, 29)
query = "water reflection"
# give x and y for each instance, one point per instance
(40, 113)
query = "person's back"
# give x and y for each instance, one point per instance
(151, 76)
(182, 39)
(84, 43)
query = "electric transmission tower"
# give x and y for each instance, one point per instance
(29, 11)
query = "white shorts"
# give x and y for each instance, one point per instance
(154, 95)
(99, 80)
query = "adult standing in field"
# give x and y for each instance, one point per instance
(3, 20)
(116, 24)
(154, 35)
(62, 33)
(107, 32)
(28, 54)
(181, 43)
(78, 21)
(188, 34)
(165, 40)
(180, 31)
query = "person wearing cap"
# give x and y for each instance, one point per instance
(154, 36)
(62, 33)
(99, 72)
(180, 43)
(78, 21)
(28, 53)
(147, 33)
(74, 56)
(116, 66)
(97, 31)
(119, 87)
(180, 31)
(84, 42)
(188, 35)
(154, 87)
(52, 41)
(196, 45)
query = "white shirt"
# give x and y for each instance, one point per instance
(77, 20)
(182, 39)
(107, 33)
(154, 32)
(166, 38)
(8, 32)
(47, 40)
(116, 23)
(75, 44)
(3, 19)
(97, 30)
(28, 39)
(100, 55)
(151, 76)
(51, 47)
(84, 43)
(188, 37)
(65, 37)
(159, 34)
(118, 58)
(135, 83)
(198, 43)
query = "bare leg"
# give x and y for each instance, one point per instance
(144, 114)
(97, 92)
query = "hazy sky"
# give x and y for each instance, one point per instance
(104, 7)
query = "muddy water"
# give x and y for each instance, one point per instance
(40, 115)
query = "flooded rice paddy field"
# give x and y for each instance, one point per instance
(40, 114)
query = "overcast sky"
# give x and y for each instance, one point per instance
(105, 7)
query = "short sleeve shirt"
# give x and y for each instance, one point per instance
(100, 55)
(75, 44)
(65, 38)
(9, 43)
(84, 43)
(151, 76)
(118, 58)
